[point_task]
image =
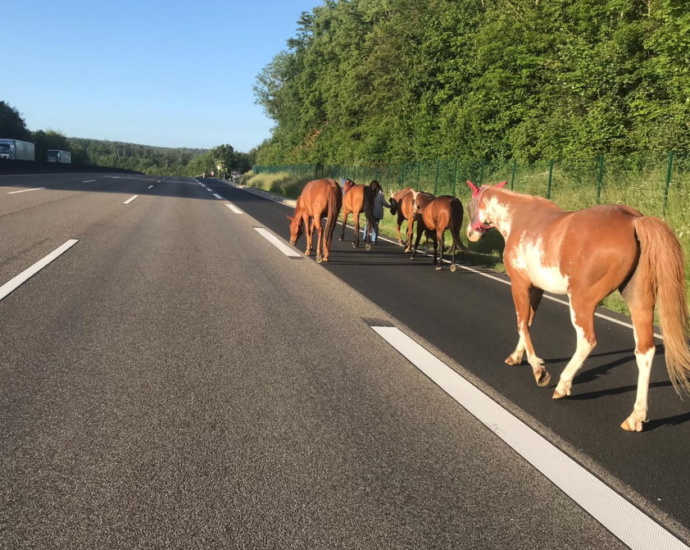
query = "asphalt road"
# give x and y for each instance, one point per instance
(174, 381)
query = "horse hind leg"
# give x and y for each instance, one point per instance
(344, 223)
(641, 304)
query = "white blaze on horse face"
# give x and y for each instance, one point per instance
(528, 257)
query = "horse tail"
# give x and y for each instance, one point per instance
(369, 195)
(662, 256)
(335, 202)
(456, 223)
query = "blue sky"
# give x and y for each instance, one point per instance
(165, 73)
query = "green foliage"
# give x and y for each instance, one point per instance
(389, 81)
(12, 125)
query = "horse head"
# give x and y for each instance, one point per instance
(296, 229)
(478, 221)
(393, 206)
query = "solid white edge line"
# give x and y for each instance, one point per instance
(234, 208)
(275, 241)
(25, 190)
(130, 199)
(625, 521)
(217, 196)
(25, 275)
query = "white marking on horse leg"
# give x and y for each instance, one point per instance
(515, 358)
(584, 348)
(644, 369)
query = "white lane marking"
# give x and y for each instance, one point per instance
(130, 199)
(217, 196)
(625, 521)
(88, 181)
(150, 186)
(25, 275)
(234, 208)
(25, 190)
(275, 241)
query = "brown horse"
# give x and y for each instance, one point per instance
(319, 199)
(588, 254)
(356, 199)
(401, 204)
(436, 215)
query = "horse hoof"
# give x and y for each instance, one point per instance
(438, 268)
(319, 259)
(558, 394)
(354, 245)
(453, 268)
(630, 426)
(543, 378)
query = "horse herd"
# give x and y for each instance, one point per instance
(324, 198)
(584, 254)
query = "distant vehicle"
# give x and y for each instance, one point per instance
(14, 149)
(55, 155)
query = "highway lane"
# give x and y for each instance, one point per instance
(470, 318)
(175, 381)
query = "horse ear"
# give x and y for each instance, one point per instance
(474, 188)
(502, 184)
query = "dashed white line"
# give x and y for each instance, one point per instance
(25, 190)
(150, 186)
(625, 521)
(234, 208)
(25, 275)
(88, 181)
(130, 199)
(217, 196)
(275, 241)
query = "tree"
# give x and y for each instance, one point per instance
(12, 125)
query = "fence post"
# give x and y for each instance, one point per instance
(548, 188)
(600, 178)
(438, 161)
(669, 173)
(512, 177)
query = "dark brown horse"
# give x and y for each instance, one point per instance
(319, 199)
(356, 199)
(588, 254)
(436, 215)
(401, 204)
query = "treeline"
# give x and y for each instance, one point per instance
(147, 159)
(389, 81)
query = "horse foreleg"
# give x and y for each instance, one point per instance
(410, 230)
(308, 230)
(582, 317)
(342, 232)
(439, 238)
(526, 299)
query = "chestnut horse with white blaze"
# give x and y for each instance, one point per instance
(318, 199)
(588, 254)
(357, 199)
(436, 215)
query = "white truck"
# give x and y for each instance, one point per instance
(15, 149)
(56, 155)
